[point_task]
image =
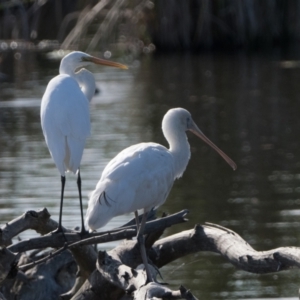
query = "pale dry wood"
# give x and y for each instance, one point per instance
(83, 251)
(124, 232)
(155, 290)
(8, 261)
(134, 281)
(45, 281)
(229, 244)
(104, 283)
(56, 240)
(2, 297)
(69, 236)
(115, 280)
(39, 221)
(210, 237)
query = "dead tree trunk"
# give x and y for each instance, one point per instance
(117, 274)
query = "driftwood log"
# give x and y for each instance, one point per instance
(74, 269)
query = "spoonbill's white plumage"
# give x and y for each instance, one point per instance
(65, 116)
(141, 176)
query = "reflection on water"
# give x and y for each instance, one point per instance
(247, 105)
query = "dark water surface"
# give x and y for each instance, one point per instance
(247, 105)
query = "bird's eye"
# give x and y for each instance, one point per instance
(188, 122)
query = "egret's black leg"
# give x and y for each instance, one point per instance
(83, 231)
(141, 241)
(63, 181)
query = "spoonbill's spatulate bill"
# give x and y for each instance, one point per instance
(141, 176)
(65, 116)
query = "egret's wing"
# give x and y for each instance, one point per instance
(65, 121)
(71, 106)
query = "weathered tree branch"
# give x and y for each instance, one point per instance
(70, 237)
(209, 237)
(134, 280)
(218, 239)
(82, 251)
(118, 274)
(39, 221)
(154, 290)
(117, 278)
(8, 261)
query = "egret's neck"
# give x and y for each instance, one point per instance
(66, 68)
(87, 83)
(180, 149)
(84, 78)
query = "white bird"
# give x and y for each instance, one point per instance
(141, 176)
(65, 116)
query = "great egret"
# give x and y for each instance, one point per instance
(141, 176)
(65, 116)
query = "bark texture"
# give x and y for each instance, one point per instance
(74, 270)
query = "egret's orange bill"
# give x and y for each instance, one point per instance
(104, 62)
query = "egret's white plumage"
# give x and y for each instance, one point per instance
(65, 116)
(141, 176)
(65, 120)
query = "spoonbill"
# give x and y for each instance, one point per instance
(65, 116)
(141, 176)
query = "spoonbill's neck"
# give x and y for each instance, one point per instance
(180, 149)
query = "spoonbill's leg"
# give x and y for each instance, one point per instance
(83, 231)
(141, 241)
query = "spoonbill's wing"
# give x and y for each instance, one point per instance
(139, 177)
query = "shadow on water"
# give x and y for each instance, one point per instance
(247, 105)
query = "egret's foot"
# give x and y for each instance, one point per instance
(59, 229)
(83, 233)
